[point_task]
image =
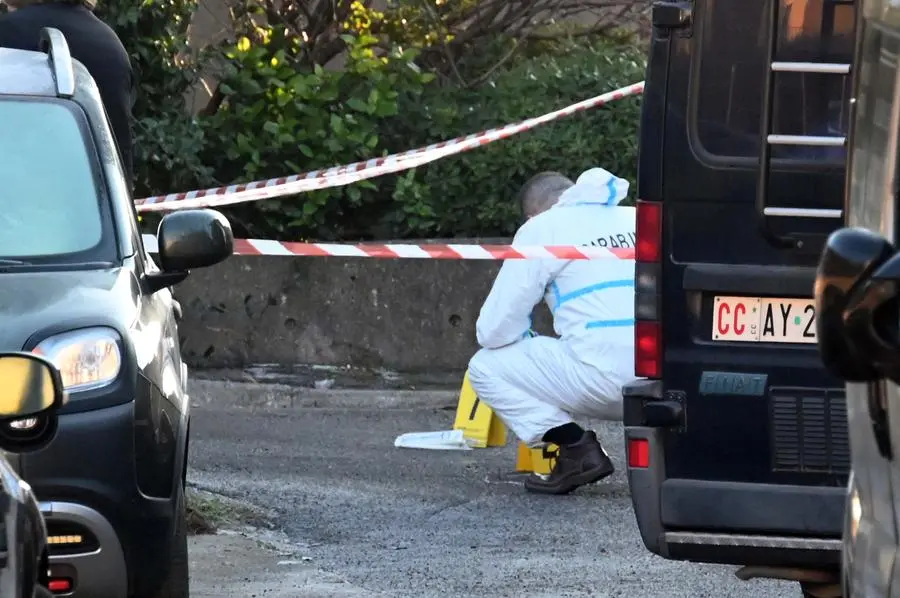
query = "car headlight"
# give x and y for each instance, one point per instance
(86, 359)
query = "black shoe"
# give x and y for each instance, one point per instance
(584, 462)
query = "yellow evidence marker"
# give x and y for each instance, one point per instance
(537, 460)
(480, 426)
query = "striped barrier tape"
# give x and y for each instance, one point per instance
(425, 251)
(338, 176)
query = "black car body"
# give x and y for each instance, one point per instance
(32, 388)
(737, 436)
(23, 543)
(859, 306)
(78, 287)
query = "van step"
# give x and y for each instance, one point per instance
(803, 212)
(743, 540)
(829, 68)
(807, 140)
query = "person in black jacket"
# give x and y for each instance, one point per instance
(93, 43)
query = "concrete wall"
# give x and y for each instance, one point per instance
(405, 315)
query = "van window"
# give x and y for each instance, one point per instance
(49, 200)
(733, 67)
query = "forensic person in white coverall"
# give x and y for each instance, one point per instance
(538, 384)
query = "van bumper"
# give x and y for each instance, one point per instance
(732, 523)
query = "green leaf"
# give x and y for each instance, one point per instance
(337, 125)
(386, 109)
(358, 105)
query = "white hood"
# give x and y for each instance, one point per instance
(595, 186)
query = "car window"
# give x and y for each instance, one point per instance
(49, 199)
(733, 69)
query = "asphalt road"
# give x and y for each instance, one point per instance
(422, 524)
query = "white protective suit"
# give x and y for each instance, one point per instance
(532, 382)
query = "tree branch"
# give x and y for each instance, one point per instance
(503, 60)
(442, 31)
(215, 102)
(586, 32)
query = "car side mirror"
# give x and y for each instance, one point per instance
(189, 239)
(872, 319)
(850, 256)
(30, 390)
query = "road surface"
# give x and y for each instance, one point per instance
(361, 518)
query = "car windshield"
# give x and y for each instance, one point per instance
(49, 198)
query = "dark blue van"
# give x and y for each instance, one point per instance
(736, 435)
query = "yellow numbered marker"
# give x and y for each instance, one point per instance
(537, 460)
(477, 421)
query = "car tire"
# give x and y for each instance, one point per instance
(177, 582)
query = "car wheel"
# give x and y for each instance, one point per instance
(177, 582)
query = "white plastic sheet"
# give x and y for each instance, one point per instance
(444, 440)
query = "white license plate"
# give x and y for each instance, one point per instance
(764, 320)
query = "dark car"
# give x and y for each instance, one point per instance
(858, 302)
(737, 435)
(31, 388)
(78, 287)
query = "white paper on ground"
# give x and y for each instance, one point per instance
(445, 440)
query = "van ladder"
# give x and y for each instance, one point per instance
(768, 138)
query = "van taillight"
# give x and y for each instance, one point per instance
(639, 453)
(647, 272)
(649, 231)
(647, 349)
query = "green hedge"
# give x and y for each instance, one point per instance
(277, 121)
(472, 194)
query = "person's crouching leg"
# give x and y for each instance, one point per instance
(526, 397)
(497, 379)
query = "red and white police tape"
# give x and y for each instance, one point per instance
(413, 251)
(351, 173)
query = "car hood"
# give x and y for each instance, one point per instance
(53, 302)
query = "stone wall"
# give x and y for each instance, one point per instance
(405, 315)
